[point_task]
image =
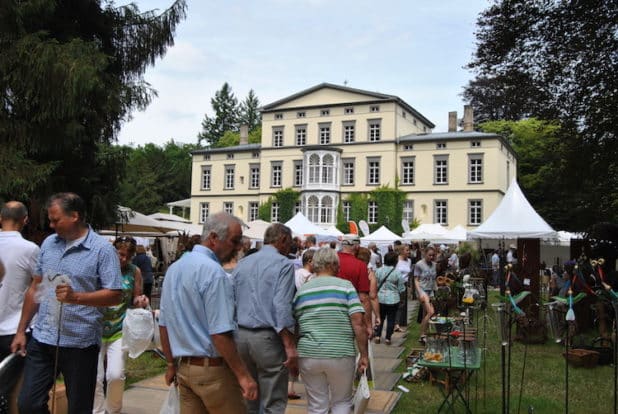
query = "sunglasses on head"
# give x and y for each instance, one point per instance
(125, 239)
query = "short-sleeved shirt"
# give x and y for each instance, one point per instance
(391, 284)
(425, 274)
(197, 301)
(323, 307)
(353, 270)
(113, 316)
(91, 264)
(19, 259)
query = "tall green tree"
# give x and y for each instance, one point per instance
(557, 60)
(249, 113)
(71, 72)
(226, 116)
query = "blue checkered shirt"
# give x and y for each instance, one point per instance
(91, 265)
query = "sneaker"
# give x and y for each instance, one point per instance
(387, 341)
(377, 340)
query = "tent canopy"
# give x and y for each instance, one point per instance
(130, 221)
(168, 217)
(301, 225)
(427, 232)
(514, 218)
(381, 236)
(255, 229)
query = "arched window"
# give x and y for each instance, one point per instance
(327, 210)
(327, 169)
(314, 169)
(313, 209)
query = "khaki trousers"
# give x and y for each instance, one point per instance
(209, 390)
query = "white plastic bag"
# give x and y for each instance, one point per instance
(171, 405)
(137, 331)
(362, 395)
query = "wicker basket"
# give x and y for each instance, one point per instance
(582, 358)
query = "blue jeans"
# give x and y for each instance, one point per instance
(78, 368)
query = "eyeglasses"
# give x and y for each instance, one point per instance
(125, 239)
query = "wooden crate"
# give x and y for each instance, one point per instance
(582, 358)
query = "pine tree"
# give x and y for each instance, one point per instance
(225, 106)
(249, 111)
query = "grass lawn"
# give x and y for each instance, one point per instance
(147, 365)
(590, 390)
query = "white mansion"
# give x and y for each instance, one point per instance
(329, 141)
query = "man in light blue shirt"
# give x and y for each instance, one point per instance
(68, 325)
(197, 324)
(264, 285)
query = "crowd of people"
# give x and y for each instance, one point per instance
(236, 322)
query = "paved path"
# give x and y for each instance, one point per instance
(147, 396)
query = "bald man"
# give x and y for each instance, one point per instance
(19, 259)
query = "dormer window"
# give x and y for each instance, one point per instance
(325, 112)
(278, 116)
(301, 114)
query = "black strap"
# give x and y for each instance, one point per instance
(384, 281)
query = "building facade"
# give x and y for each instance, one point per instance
(331, 141)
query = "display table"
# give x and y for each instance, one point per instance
(456, 377)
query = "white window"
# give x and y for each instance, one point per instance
(255, 155)
(275, 179)
(348, 132)
(475, 212)
(254, 210)
(325, 112)
(206, 157)
(441, 145)
(326, 215)
(204, 212)
(314, 169)
(347, 208)
(228, 207)
(475, 168)
(475, 144)
(297, 207)
(374, 130)
(230, 156)
(408, 211)
(324, 134)
(278, 116)
(255, 176)
(229, 177)
(301, 135)
(407, 171)
(327, 170)
(440, 172)
(206, 177)
(298, 173)
(277, 136)
(408, 147)
(274, 213)
(313, 209)
(440, 213)
(348, 111)
(301, 114)
(348, 172)
(372, 214)
(373, 171)
(374, 108)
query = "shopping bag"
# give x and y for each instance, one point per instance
(370, 367)
(137, 331)
(362, 395)
(171, 405)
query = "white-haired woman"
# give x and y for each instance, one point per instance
(330, 318)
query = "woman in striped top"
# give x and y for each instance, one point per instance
(330, 318)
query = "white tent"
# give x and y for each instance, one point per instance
(168, 217)
(333, 231)
(427, 232)
(514, 218)
(302, 226)
(186, 228)
(453, 236)
(130, 221)
(382, 236)
(255, 229)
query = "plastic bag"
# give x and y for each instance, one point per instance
(137, 331)
(171, 405)
(362, 395)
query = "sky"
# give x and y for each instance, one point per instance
(414, 49)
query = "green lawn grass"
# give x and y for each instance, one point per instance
(147, 365)
(590, 390)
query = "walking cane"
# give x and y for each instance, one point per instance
(57, 280)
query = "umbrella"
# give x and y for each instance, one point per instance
(130, 221)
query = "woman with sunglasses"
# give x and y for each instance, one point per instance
(111, 344)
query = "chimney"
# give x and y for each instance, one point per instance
(468, 119)
(452, 121)
(244, 134)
